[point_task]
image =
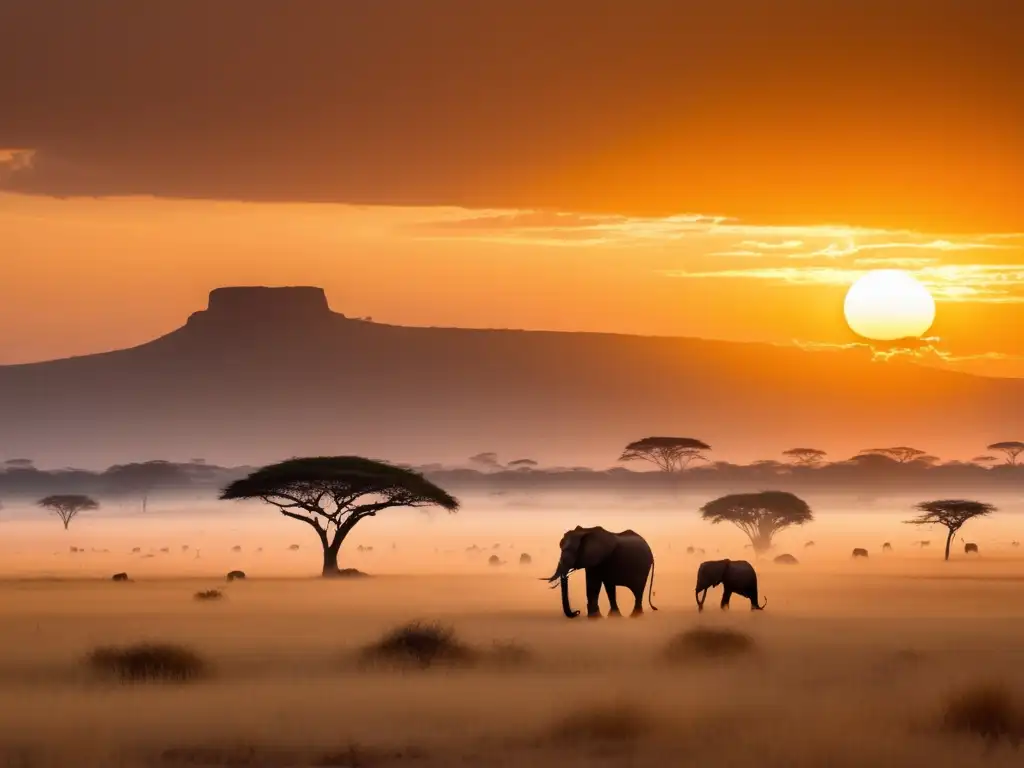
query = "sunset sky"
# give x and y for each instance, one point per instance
(716, 169)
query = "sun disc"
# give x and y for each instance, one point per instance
(889, 304)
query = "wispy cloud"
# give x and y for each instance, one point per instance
(990, 283)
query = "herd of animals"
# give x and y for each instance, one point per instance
(610, 560)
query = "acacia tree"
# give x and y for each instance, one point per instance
(67, 506)
(523, 464)
(487, 460)
(669, 454)
(805, 457)
(759, 515)
(901, 454)
(333, 493)
(143, 478)
(951, 513)
(1011, 448)
(983, 460)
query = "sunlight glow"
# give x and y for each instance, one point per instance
(889, 304)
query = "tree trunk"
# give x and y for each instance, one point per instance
(949, 540)
(331, 562)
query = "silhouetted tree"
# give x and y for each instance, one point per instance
(951, 513)
(759, 515)
(984, 460)
(67, 506)
(805, 457)
(20, 463)
(523, 464)
(1011, 448)
(487, 460)
(669, 454)
(143, 478)
(900, 454)
(333, 493)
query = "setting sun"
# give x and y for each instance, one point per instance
(889, 304)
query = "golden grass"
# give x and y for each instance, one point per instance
(849, 666)
(148, 662)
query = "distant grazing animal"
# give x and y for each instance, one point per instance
(690, 550)
(970, 548)
(165, 550)
(184, 547)
(236, 575)
(860, 552)
(786, 560)
(735, 576)
(259, 549)
(236, 548)
(887, 547)
(525, 559)
(74, 550)
(494, 560)
(119, 577)
(608, 559)
(1014, 543)
(293, 548)
(136, 550)
(808, 544)
(923, 544)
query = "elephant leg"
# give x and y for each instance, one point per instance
(593, 593)
(638, 597)
(726, 594)
(613, 604)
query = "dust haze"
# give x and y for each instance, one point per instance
(853, 662)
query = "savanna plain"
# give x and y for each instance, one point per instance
(899, 659)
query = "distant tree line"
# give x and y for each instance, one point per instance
(676, 462)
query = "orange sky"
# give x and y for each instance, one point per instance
(91, 275)
(149, 154)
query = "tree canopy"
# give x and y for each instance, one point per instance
(1012, 449)
(805, 457)
(333, 493)
(901, 454)
(669, 454)
(759, 515)
(951, 513)
(67, 506)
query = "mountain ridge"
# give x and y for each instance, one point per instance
(266, 372)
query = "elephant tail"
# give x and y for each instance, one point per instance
(762, 605)
(650, 589)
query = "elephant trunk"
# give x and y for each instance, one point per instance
(566, 608)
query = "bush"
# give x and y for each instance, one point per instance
(209, 594)
(617, 723)
(989, 711)
(708, 643)
(148, 662)
(420, 645)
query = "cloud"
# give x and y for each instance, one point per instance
(351, 102)
(983, 283)
(928, 351)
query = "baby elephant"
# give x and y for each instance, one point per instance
(860, 552)
(736, 576)
(970, 548)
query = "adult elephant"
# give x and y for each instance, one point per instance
(610, 560)
(735, 576)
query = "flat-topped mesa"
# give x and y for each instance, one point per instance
(246, 306)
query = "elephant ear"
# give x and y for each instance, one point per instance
(595, 547)
(713, 571)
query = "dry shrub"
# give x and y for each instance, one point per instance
(148, 662)
(419, 644)
(209, 594)
(989, 711)
(708, 643)
(620, 723)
